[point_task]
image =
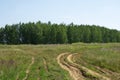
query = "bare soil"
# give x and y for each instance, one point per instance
(78, 72)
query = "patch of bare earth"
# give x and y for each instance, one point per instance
(78, 72)
(73, 71)
(45, 64)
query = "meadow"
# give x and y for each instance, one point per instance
(38, 62)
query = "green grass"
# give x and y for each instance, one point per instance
(102, 55)
(14, 59)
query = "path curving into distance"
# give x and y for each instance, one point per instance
(78, 72)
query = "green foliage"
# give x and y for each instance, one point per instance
(1, 35)
(11, 34)
(47, 33)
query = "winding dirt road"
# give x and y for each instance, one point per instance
(74, 72)
(78, 72)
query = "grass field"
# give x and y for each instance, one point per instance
(38, 62)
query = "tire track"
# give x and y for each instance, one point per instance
(74, 72)
(28, 69)
(86, 70)
(78, 72)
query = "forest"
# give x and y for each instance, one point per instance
(51, 33)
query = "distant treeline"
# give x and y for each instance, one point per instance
(47, 33)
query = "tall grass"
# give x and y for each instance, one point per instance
(14, 59)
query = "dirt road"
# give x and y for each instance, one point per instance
(78, 72)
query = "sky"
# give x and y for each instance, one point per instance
(98, 12)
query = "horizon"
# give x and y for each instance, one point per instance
(103, 13)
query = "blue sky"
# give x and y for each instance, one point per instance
(99, 12)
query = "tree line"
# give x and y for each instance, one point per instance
(47, 33)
